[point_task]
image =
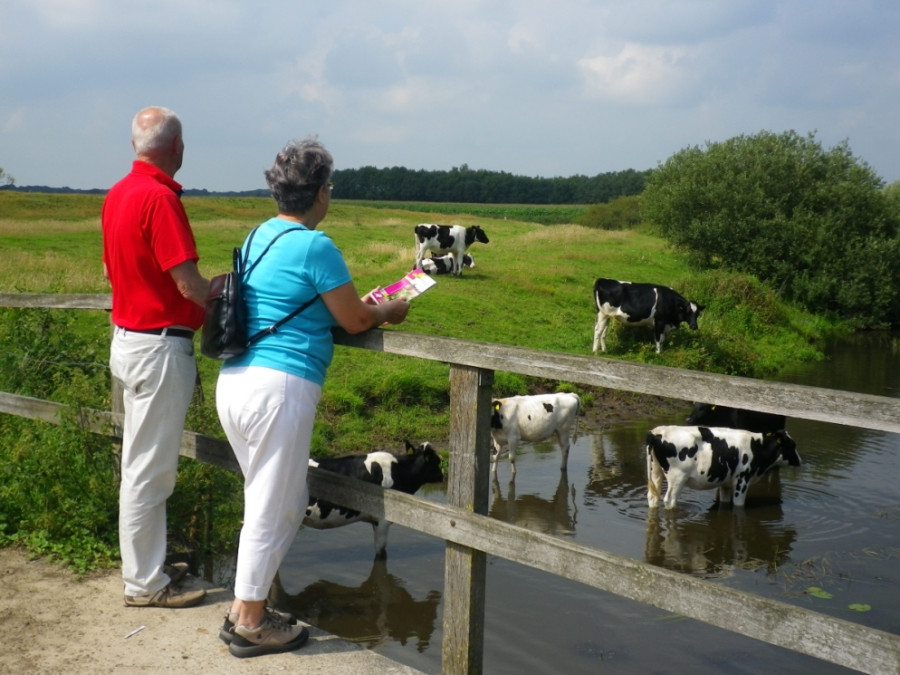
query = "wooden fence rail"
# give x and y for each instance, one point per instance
(471, 535)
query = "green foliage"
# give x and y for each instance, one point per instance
(814, 224)
(619, 214)
(59, 482)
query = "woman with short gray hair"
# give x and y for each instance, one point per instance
(267, 397)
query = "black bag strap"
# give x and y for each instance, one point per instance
(240, 266)
(246, 270)
(278, 324)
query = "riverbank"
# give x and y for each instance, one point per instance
(56, 623)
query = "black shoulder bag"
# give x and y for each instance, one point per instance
(225, 324)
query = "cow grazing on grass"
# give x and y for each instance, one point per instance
(641, 305)
(705, 458)
(443, 264)
(531, 419)
(709, 415)
(452, 239)
(405, 473)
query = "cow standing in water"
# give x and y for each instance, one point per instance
(531, 419)
(705, 458)
(641, 305)
(406, 473)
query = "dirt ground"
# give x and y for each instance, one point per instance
(56, 623)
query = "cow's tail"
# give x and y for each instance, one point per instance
(654, 476)
(578, 413)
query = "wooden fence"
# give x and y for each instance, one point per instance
(471, 535)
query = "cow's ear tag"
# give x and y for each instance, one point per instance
(713, 408)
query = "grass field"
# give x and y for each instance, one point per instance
(531, 287)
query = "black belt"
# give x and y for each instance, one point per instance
(171, 332)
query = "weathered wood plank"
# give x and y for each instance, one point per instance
(468, 488)
(49, 301)
(194, 445)
(823, 637)
(793, 400)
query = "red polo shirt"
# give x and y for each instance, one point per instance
(145, 234)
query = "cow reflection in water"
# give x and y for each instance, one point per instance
(715, 542)
(554, 516)
(378, 610)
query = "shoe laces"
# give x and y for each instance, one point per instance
(275, 619)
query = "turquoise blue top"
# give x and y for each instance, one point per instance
(297, 267)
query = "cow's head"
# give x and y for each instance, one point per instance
(786, 447)
(496, 420)
(689, 312)
(475, 233)
(427, 462)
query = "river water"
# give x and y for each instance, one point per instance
(822, 536)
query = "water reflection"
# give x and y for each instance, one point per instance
(378, 610)
(554, 516)
(717, 541)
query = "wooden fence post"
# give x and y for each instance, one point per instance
(468, 488)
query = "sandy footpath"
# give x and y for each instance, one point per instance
(55, 623)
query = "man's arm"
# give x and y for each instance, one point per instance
(190, 283)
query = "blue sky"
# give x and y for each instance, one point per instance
(530, 88)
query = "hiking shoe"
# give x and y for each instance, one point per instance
(167, 597)
(273, 636)
(231, 618)
(176, 571)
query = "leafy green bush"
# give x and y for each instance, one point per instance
(58, 482)
(619, 214)
(814, 224)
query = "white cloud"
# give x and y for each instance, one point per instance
(639, 75)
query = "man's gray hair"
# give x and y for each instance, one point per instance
(149, 139)
(300, 169)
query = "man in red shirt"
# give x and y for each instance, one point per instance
(150, 258)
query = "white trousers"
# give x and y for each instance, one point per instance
(158, 375)
(268, 417)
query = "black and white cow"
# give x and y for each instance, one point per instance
(443, 264)
(636, 304)
(405, 473)
(706, 458)
(710, 415)
(453, 239)
(531, 419)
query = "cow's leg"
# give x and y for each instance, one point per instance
(495, 457)
(741, 486)
(512, 458)
(456, 256)
(420, 253)
(659, 335)
(675, 484)
(562, 436)
(380, 529)
(726, 492)
(600, 332)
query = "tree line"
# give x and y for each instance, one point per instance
(458, 185)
